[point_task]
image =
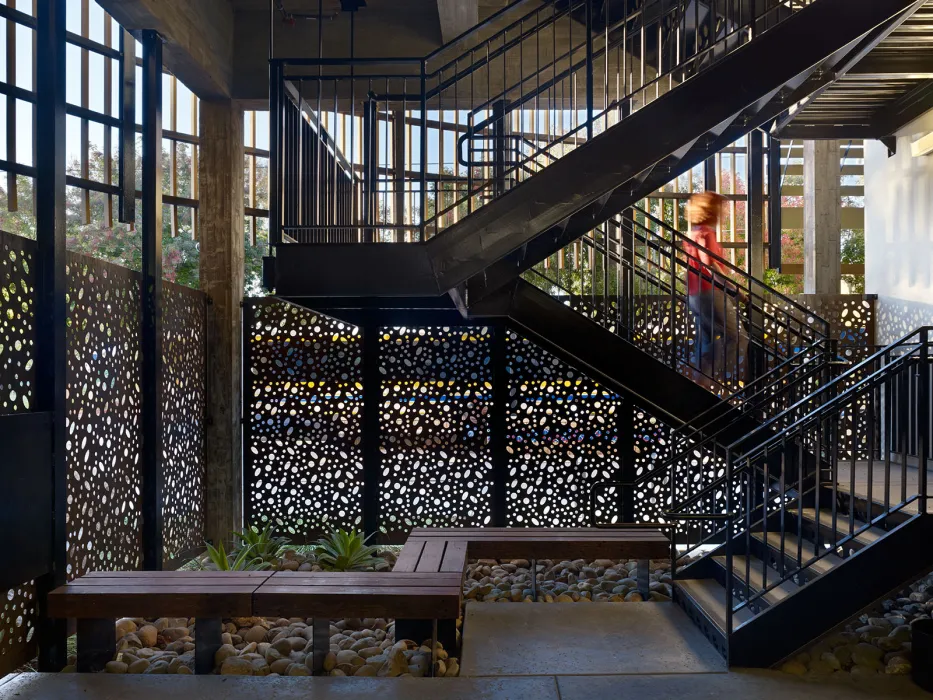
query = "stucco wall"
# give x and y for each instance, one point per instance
(899, 232)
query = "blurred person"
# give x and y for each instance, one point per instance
(712, 295)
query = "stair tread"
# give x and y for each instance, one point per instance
(869, 536)
(709, 595)
(756, 577)
(807, 552)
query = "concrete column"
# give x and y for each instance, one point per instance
(822, 264)
(220, 219)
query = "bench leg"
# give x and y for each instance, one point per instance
(208, 632)
(534, 580)
(419, 630)
(644, 579)
(320, 635)
(434, 641)
(97, 644)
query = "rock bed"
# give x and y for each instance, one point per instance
(875, 643)
(265, 647)
(578, 581)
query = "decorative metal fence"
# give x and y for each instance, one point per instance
(104, 518)
(472, 425)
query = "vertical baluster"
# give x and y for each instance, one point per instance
(888, 421)
(765, 500)
(923, 418)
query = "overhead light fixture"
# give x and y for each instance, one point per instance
(922, 146)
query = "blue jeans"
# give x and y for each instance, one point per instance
(720, 344)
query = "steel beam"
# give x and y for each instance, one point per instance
(372, 457)
(152, 301)
(911, 106)
(51, 310)
(127, 152)
(756, 204)
(774, 203)
(497, 426)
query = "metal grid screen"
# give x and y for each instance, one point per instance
(18, 616)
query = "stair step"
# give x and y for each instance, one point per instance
(869, 536)
(807, 551)
(756, 577)
(710, 596)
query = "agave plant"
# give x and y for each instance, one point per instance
(260, 544)
(237, 561)
(345, 550)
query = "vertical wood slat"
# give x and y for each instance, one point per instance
(252, 175)
(108, 110)
(195, 184)
(12, 195)
(173, 152)
(85, 99)
(127, 149)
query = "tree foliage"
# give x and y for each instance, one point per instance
(120, 243)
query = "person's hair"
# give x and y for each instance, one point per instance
(704, 208)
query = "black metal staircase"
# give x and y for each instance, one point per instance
(656, 127)
(804, 545)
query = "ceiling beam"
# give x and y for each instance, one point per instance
(457, 16)
(885, 65)
(817, 132)
(198, 38)
(909, 107)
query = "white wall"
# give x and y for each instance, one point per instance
(899, 232)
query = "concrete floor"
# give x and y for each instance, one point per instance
(705, 686)
(531, 639)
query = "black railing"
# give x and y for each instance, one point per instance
(855, 452)
(634, 277)
(424, 142)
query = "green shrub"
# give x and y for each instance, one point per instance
(260, 543)
(343, 550)
(238, 561)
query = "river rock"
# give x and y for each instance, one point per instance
(236, 666)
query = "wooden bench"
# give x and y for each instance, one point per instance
(326, 596)
(99, 598)
(441, 551)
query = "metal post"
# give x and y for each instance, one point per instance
(498, 138)
(372, 391)
(275, 155)
(756, 203)
(755, 255)
(424, 152)
(151, 349)
(589, 69)
(127, 153)
(625, 425)
(774, 203)
(51, 311)
(497, 421)
(923, 416)
(709, 174)
(370, 158)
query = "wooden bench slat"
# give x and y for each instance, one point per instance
(431, 556)
(223, 601)
(179, 574)
(411, 554)
(545, 535)
(454, 557)
(399, 580)
(334, 602)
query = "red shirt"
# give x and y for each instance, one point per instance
(701, 264)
